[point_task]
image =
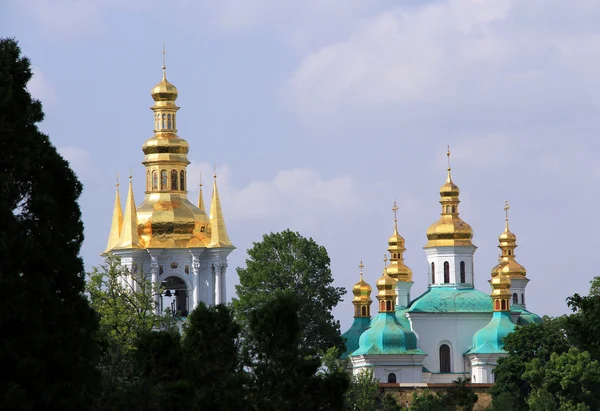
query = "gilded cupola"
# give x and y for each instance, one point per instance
(508, 242)
(386, 292)
(501, 293)
(397, 269)
(362, 296)
(450, 229)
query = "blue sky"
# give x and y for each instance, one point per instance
(318, 114)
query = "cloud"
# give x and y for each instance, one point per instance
(470, 59)
(40, 88)
(292, 195)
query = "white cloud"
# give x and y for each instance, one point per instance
(40, 88)
(297, 194)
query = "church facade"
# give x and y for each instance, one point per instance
(167, 238)
(452, 330)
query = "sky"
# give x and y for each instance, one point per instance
(319, 114)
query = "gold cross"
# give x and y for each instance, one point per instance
(448, 154)
(506, 208)
(385, 259)
(164, 57)
(394, 209)
(361, 266)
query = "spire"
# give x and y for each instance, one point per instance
(397, 269)
(362, 296)
(508, 243)
(200, 198)
(117, 221)
(129, 230)
(218, 232)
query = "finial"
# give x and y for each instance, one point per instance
(449, 168)
(130, 172)
(506, 208)
(215, 171)
(201, 179)
(385, 259)
(361, 266)
(395, 209)
(164, 58)
(117, 180)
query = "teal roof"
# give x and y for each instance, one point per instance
(451, 300)
(351, 337)
(526, 317)
(387, 336)
(401, 317)
(490, 339)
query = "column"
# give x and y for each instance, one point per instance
(223, 283)
(196, 280)
(155, 282)
(217, 284)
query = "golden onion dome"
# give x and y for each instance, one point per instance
(500, 286)
(362, 290)
(450, 229)
(508, 242)
(386, 287)
(164, 91)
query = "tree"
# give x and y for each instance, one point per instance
(363, 392)
(460, 395)
(212, 362)
(583, 327)
(49, 345)
(126, 303)
(570, 380)
(283, 377)
(287, 261)
(523, 345)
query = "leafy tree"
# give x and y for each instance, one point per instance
(125, 302)
(212, 362)
(570, 380)
(49, 350)
(283, 376)
(460, 396)
(583, 327)
(363, 392)
(287, 261)
(427, 401)
(523, 345)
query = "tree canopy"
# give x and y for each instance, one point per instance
(49, 348)
(286, 261)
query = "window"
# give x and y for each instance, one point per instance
(174, 179)
(169, 121)
(392, 378)
(388, 306)
(163, 121)
(445, 358)
(447, 209)
(523, 299)
(363, 311)
(515, 298)
(432, 273)
(463, 276)
(497, 304)
(154, 180)
(509, 252)
(504, 304)
(182, 180)
(163, 179)
(148, 182)
(446, 272)
(454, 209)
(382, 306)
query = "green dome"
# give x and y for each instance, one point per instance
(387, 336)
(490, 339)
(401, 317)
(351, 337)
(526, 317)
(452, 300)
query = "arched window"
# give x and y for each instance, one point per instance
(454, 209)
(509, 252)
(154, 180)
(163, 179)
(497, 305)
(392, 378)
(504, 304)
(446, 272)
(523, 298)
(445, 358)
(432, 273)
(163, 120)
(174, 179)
(363, 311)
(388, 305)
(169, 121)
(515, 298)
(463, 276)
(148, 180)
(182, 180)
(174, 126)
(447, 209)
(382, 306)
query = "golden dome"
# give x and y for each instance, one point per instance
(164, 91)
(386, 287)
(500, 286)
(450, 229)
(361, 290)
(397, 269)
(508, 242)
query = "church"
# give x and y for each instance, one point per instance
(452, 330)
(166, 237)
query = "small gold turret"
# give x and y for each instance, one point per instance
(362, 296)
(397, 269)
(117, 222)
(450, 229)
(129, 230)
(218, 232)
(501, 291)
(508, 242)
(386, 293)
(200, 198)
